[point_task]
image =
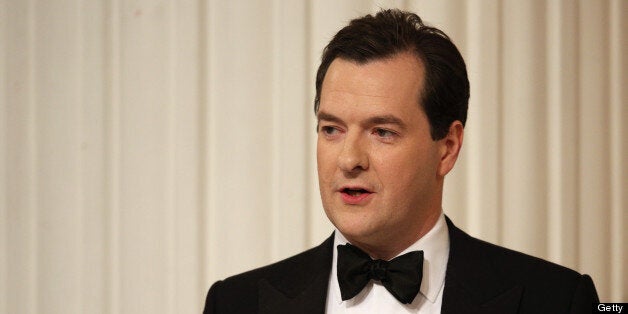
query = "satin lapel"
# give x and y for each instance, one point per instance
(301, 287)
(471, 282)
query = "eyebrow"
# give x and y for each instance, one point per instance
(386, 119)
(376, 120)
(327, 117)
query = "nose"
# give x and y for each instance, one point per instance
(353, 156)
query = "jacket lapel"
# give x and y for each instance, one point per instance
(471, 282)
(301, 286)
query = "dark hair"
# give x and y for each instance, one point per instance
(445, 96)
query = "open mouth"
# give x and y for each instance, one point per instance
(355, 195)
(354, 192)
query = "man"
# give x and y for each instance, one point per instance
(391, 103)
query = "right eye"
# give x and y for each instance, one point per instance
(328, 130)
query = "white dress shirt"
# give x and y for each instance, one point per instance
(374, 298)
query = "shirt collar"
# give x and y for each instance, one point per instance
(435, 247)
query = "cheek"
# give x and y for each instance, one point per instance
(327, 152)
(403, 169)
(395, 163)
(325, 162)
(320, 155)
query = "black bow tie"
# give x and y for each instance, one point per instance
(401, 276)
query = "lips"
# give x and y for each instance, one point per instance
(355, 195)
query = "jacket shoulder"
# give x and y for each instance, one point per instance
(521, 267)
(546, 286)
(239, 293)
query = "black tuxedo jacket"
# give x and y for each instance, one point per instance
(480, 278)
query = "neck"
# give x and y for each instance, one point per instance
(388, 247)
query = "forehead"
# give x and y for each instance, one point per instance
(383, 85)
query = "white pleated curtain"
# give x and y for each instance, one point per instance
(149, 148)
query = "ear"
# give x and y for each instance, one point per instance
(450, 147)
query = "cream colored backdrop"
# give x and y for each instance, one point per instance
(149, 148)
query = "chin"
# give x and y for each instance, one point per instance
(354, 228)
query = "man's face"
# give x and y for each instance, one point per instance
(379, 171)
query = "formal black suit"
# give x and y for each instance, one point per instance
(480, 278)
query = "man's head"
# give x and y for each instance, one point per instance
(445, 95)
(391, 106)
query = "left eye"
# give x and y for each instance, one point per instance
(384, 133)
